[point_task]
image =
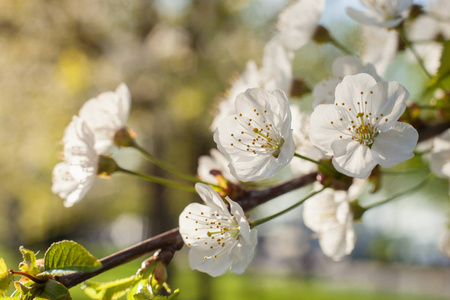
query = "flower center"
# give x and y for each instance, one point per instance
(258, 135)
(366, 132)
(362, 126)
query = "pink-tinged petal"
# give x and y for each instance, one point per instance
(325, 127)
(352, 158)
(387, 102)
(396, 145)
(353, 89)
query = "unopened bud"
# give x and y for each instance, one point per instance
(160, 273)
(321, 35)
(299, 88)
(124, 137)
(106, 166)
(415, 11)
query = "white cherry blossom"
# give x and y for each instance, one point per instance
(257, 140)
(360, 129)
(73, 177)
(329, 215)
(323, 91)
(106, 114)
(218, 240)
(379, 47)
(298, 22)
(382, 13)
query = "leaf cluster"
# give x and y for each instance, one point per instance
(37, 275)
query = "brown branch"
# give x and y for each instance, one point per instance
(172, 239)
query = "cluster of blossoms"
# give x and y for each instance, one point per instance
(354, 123)
(88, 136)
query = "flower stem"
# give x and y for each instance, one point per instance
(408, 44)
(307, 158)
(266, 219)
(340, 46)
(167, 167)
(158, 180)
(398, 195)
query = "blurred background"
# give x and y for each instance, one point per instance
(178, 57)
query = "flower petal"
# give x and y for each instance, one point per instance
(396, 145)
(323, 91)
(353, 89)
(387, 103)
(352, 158)
(325, 127)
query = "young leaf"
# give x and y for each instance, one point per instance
(142, 292)
(5, 278)
(29, 265)
(55, 291)
(69, 256)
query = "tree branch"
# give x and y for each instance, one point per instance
(172, 239)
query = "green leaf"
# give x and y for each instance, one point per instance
(5, 278)
(135, 287)
(69, 256)
(55, 291)
(29, 264)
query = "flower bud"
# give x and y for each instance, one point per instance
(160, 273)
(106, 166)
(321, 35)
(124, 137)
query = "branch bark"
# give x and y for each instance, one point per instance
(172, 239)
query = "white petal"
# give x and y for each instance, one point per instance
(396, 145)
(242, 253)
(379, 48)
(369, 18)
(353, 89)
(106, 114)
(323, 91)
(388, 99)
(276, 71)
(352, 158)
(211, 198)
(212, 266)
(296, 31)
(124, 103)
(325, 127)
